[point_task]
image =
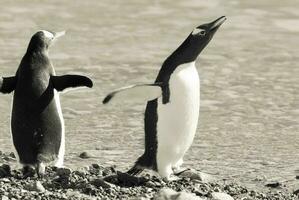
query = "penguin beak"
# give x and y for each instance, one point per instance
(58, 34)
(217, 23)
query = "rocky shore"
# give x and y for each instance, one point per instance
(99, 182)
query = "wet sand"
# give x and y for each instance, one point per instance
(248, 126)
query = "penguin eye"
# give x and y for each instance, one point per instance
(198, 31)
(202, 33)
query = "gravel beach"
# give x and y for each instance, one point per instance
(99, 182)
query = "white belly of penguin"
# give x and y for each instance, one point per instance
(177, 120)
(59, 162)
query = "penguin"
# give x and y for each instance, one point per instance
(37, 124)
(172, 110)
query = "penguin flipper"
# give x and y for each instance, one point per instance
(7, 84)
(135, 93)
(66, 81)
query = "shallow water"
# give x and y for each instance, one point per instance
(249, 114)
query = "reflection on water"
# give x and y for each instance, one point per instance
(249, 73)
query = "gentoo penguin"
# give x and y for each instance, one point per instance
(172, 110)
(37, 124)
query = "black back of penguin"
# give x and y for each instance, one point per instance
(35, 121)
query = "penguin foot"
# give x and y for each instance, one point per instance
(178, 172)
(28, 171)
(135, 170)
(41, 170)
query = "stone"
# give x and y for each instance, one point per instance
(296, 192)
(12, 155)
(170, 194)
(4, 198)
(273, 184)
(187, 196)
(85, 155)
(221, 196)
(96, 166)
(63, 172)
(5, 170)
(5, 180)
(36, 186)
(150, 184)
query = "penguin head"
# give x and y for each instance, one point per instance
(197, 41)
(205, 32)
(42, 40)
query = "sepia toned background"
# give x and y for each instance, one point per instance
(248, 127)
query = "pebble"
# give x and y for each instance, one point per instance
(12, 155)
(85, 155)
(4, 170)
(296, 192)
(221, 196)
(36, 186)
(274, 184)
(170, 194)
(5, 180)
(63, 172)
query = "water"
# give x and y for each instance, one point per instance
(249, 73)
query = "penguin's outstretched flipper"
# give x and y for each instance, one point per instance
(7, 84)
(135, 93)
(70, 81)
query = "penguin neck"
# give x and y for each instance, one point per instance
(187, 52)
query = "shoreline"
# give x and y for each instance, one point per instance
(98, 182)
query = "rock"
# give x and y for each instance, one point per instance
(85, 155)
(202, 189)
(170, 194)
(63, 172)
(5, 180)
(274, 184)
(165, 194)
(36, 186)
(150, 184)
(12, 155)
(296, 192)
(197, 175)
(96, 166)
(5, 171)
(221, 196)
(4, 198)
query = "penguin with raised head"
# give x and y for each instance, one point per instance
(37, 124)
(172, 110)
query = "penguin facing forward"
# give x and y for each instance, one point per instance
(37, 124)
(172, 110)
